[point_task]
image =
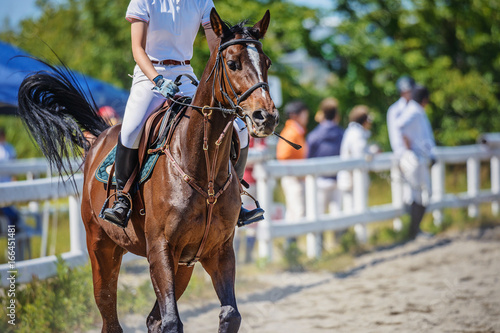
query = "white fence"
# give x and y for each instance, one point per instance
(39, 190)
(267, 172)
(313, 224)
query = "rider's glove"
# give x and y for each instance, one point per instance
(165, 87)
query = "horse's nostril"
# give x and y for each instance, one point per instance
(258, 115)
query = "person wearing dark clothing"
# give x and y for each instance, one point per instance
(326, 138)
(325, 141)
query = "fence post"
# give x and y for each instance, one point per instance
(397, 192)
(76, 228)
(45, 222)
(473, 166)
(495, 183)
(438, 189)
(45, 228)
(314, 240)
(265, 188)
(360, 197)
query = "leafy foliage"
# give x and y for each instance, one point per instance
(450, 46)
(92, 36)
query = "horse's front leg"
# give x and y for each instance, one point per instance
(182, 278)
(162, 269)
(221, 268)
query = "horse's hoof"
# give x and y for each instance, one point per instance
(230, 320)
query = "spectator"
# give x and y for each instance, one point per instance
(405, 86)
(294, 130)
(419, 145)
(354, 146)
(325, 141)
(7, 153)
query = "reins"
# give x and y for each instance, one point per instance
(216, 72)
(209, 194)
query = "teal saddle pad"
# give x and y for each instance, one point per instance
(102, 172)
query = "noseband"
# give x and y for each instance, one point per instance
(220, 66)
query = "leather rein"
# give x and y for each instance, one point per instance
(220, 72)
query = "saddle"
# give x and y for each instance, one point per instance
(153, 137)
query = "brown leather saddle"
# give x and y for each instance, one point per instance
(162, 121)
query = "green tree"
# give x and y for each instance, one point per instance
(92, 36)
(450, 46)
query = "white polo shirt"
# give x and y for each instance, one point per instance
(354, 145)
(173, 25)
(395, 136)
(415, 126)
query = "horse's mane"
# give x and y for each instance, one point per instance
(240, 28)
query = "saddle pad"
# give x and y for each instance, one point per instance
(102, 172)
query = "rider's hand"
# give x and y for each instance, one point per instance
(165, 87)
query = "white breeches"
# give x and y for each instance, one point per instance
(417, 181)
(293, 189)
(143, 101)
(242, 130)
(328, 196)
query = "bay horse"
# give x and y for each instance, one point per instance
(191, 201)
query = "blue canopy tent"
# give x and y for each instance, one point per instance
(14, 69)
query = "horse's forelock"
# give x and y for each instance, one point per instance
(241, 29)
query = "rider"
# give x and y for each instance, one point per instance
(162, 34)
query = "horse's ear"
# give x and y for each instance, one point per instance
(218, 26)
(263, 24)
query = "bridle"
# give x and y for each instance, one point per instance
(220, 71)
(221, 66)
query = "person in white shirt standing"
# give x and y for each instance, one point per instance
(162, 37)
(405, 85)
(419, 143)
(355, 146)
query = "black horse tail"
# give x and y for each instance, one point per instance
(57, 112)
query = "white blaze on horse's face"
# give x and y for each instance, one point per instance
(254, 56)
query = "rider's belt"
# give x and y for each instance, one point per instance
(171, 62)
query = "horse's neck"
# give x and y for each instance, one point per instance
(192, 136)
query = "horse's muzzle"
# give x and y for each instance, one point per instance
(264, 122)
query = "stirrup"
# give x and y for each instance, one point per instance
(247, 222)
(255, 219)
(106, 203)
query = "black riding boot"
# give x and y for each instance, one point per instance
(246, 216)
(417, 212)
(125, 163)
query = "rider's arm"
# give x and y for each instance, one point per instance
(211, 37)
(139, 33)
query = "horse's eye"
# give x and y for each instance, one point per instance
(232, 65)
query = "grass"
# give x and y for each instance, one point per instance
(63, 303)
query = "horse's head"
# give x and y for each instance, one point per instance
(240, 74)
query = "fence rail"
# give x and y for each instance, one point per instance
(267, 172)
(313, 224)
